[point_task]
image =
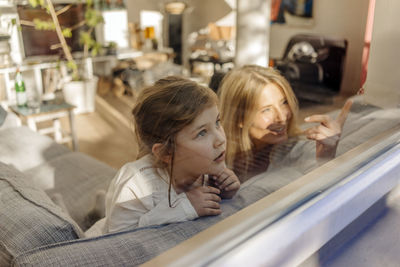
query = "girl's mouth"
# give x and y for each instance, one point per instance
(221, 157)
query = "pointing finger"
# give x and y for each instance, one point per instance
(344, 112)
(324, 119)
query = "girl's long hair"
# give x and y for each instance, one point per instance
(164, 109)
(239, 92)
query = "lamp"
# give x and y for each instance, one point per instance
(175, 7)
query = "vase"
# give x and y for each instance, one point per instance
(81, 94)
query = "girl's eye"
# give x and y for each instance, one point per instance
(201, 133)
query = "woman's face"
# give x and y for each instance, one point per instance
(270, 123)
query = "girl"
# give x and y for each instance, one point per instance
(181, 144)
(259, 111)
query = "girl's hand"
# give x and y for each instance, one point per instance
(327, 134)
(205, 200)
(227, 182)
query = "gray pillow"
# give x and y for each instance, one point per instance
(25, 149)
(28, 218)
(76, 177)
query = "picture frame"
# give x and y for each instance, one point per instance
(292, 12)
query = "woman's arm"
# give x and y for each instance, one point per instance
(327, 133)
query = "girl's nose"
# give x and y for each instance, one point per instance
(220, 138)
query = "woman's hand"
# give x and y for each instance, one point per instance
(205, 200)
(327, 133)
(227, 182)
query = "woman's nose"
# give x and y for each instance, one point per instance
(280, 114)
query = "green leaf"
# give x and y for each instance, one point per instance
(89, 3)
(67, 32)
(85, 38)
(93, 17)
(96, 49)
(71, 65)
(43, 25)
(34, 3)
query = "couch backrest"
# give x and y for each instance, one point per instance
(134, 247)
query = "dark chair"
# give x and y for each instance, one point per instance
(313, 65)
(216, 79)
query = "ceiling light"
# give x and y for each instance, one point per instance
(175, 7)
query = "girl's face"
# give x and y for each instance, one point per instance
(270, 123)
(200, 149)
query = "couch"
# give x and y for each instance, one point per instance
(34, 231)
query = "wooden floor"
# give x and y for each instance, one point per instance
(107, 133)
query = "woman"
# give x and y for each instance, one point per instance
(259, 111)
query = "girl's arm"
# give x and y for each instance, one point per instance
(161, 213)
(150, 210)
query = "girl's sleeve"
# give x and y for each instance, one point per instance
(181, 210)
(153, 209)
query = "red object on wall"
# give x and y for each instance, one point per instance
(367, 42)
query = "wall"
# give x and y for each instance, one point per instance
(383, 77)
(339, 18)
(134, 7)
(252, 32)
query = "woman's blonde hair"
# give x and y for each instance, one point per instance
(239, 91)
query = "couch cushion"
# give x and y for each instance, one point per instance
(28, 218)
(77, 177)
(24, 149)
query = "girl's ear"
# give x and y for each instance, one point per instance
(157, 150)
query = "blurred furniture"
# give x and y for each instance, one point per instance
(50, 112)
(216, 48)
(313, 65)
(217, 62)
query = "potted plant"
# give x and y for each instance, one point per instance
(80, 85)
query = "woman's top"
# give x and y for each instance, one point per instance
(138, 196)
(294, 153)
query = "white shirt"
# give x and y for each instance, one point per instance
(138, 196)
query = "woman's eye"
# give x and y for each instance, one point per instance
(202, 133)
(218, 123)
(285, 102)
(266, 110)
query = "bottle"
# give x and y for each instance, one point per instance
(20, 90)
